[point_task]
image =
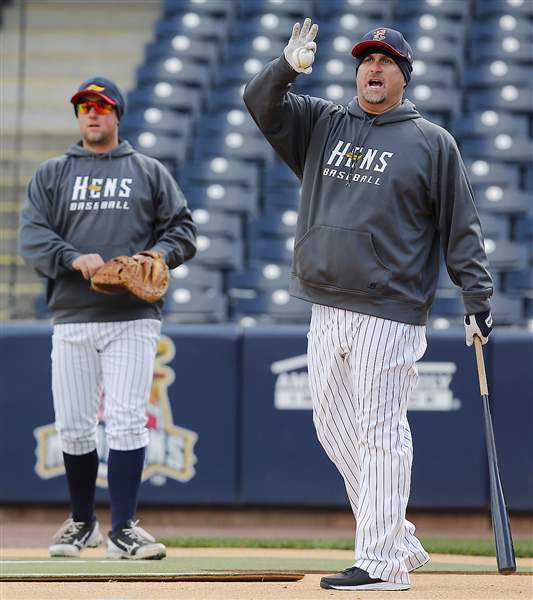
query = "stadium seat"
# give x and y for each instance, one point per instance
(175, 70)
(277, 199)
(275, 306)
(378, 10)
(505, 147)
(496, 227)
(431, 100)
(499, 200)
(520, 282)
(495, 74)
(498, 8)
(506, 256)
(499, 27)
(438, 27)
(332, 71)
(280, 224)
(294, 9)
(507, 97)
(347, 24)
(435, 75)
(278, 175)
(183, 46)
(523, 229)
(507, 49)
(219, 252)
(269, 24)
(489, 123)
(185, 305)
(274, 250)
(529, 177)
(220, 196)
(449, 8)
(238, 73)
(334, 92)
(166, 95)
(259, 47)
(233, 145)
(226, 97)
(220, 170)
(426, 47)
(171, 151)
(213, 8)
(259, 276)
(449, 307)
(157, 120)
(193, 276)
(193, 24)
(484, 172)
(506, 310)
(217, 223)
(222, 122)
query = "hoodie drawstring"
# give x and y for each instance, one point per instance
(359, 144)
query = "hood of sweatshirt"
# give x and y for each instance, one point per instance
(123, 149)
(403, 112)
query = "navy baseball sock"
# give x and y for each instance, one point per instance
(81, 470)
(124, 470)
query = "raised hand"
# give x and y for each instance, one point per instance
(300, 51)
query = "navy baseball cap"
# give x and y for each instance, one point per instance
(387, 41)
(104, 88)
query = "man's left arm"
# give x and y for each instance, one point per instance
(175, 231)
(462, 240)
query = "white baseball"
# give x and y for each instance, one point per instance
(305, 58)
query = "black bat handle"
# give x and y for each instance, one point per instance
(505, 556)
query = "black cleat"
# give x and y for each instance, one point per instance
(134, 542)
(354, 578)
(74, 536)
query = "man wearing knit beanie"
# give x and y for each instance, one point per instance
(384, 67)
(383, 190)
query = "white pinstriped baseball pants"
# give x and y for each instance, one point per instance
(117, 357)
(361, 373)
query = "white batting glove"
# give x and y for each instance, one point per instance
(479, 324)
(300, 51)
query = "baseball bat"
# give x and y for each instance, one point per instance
(505, 556)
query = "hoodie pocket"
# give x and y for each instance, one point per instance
(340, 258)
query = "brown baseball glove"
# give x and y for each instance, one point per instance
(145, 275)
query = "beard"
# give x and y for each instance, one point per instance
(374, 96)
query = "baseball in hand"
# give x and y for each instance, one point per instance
(305, 58)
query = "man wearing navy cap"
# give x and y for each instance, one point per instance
(383, 190)
(100, 200)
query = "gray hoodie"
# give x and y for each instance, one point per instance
(380, 196)
(111, 204)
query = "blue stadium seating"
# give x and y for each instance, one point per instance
(230, 198)
(274, 306)
(183, 46)
(166, 95)
(215, 251)
(471, 74)
(259, 276)
(378, 10)
(193, 276)
(294, 9)
(185, 305)
(449, 8)
(191, 23)
(158, 121)
(217, 223)
(213, 8)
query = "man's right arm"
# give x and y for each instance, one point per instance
(286, 119)
(38, 242)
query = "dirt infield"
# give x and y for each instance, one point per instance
(425, 585)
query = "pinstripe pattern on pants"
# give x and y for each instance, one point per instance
(117, 357)
(361, 373)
